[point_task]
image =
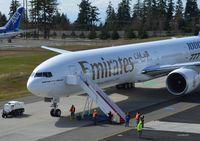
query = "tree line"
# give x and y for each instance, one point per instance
(145, 15)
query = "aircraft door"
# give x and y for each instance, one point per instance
(71, 76)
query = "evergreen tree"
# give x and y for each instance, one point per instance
(123, 14)
(169, 15)
(129, 33)
(110, 22)
(137, 10)
(42, 13)
(179, 17)
(115, 35)
(13, 7)
(60, 21)
(92, 34)
(137, 15)
(162, 12)
(87, 16)
(73, 34)
(155, 15)
(82, 35)
(93, 16)
(191, 15)
(64, 21)
(3, 19)
(104, 34)
(147, 14)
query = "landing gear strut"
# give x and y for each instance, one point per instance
(125, 86)
(54, 111)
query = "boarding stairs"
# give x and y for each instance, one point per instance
(100, 97)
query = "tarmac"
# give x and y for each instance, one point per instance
(151, 98)
(182, 124)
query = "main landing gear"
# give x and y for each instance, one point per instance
(54, 111)
(125, 86)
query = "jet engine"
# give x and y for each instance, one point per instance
(182, 81)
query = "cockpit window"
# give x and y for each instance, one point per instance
(43, 74)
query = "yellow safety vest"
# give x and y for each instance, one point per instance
(139, 126)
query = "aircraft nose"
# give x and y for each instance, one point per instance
(32, 86)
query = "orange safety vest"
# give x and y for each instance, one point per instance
(94, 115)
(137, 117)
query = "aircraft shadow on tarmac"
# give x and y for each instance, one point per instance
(65, 122)
(139, 99)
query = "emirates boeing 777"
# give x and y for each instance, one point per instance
(120, 66)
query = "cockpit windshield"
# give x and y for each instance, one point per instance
(43, 74)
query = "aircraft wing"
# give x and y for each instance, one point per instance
(61, 51)
(161, 70)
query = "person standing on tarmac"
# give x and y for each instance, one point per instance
(137, 118)
(127, 119)
(110, 116)
(142, 119)
(139, 129)
(94, 116)
(72, 111)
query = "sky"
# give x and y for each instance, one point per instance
(70, 7)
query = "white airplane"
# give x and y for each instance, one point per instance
(11, 29)
(120, 66)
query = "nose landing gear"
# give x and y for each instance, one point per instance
(54, 111)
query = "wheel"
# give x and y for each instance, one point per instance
(131, 85)
(58, 112)
(52, 113)
(21, 113)
(126, 85)
(4, 116)
(9, 41)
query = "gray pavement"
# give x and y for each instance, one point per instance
(191, 115)
(37, 123)
(150, 135)
(177, 122)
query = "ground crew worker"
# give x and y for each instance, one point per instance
(139, 129)
(94, 116)
(72, 111)
(142, 119)
(117, 118)
(127, 119)
(137, 118)
(110, 116)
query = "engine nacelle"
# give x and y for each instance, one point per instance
(182, 81)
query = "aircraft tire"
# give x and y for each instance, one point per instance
(58, 112)
(52, 113)
(126, 85)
